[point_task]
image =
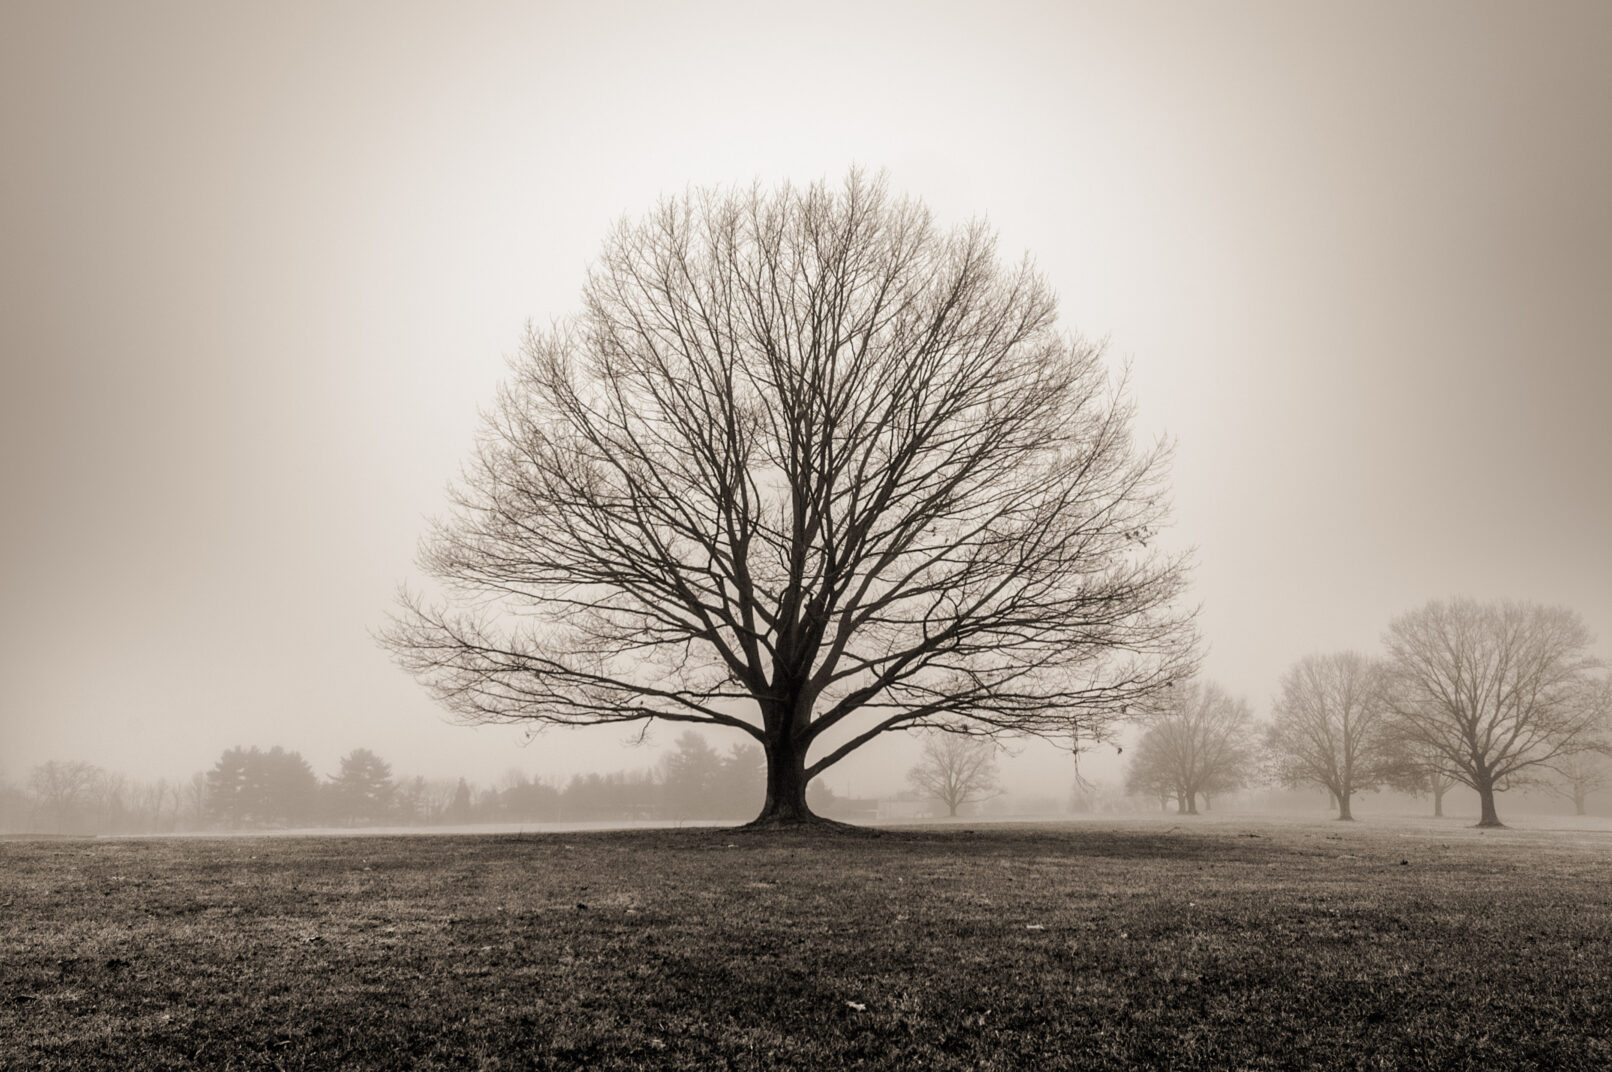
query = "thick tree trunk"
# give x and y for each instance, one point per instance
(1192, 803)
(785, 804)
(1344, 814)
(1438, 801)
(1578, 800)
(1489, 816)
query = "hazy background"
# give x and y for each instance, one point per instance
(261, 264)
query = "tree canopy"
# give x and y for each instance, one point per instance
(807, 466)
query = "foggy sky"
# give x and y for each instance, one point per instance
(260, 267)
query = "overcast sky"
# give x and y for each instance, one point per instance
(261, 264)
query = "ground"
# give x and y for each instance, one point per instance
(1162, 944)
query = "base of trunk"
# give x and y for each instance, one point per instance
(801, 821)
(807, 821)
(1493, 824)
(1487, 816)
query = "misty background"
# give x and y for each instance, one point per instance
(261, 267)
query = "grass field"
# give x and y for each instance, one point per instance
(1219, 944)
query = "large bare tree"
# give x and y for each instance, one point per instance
(1199, 741)
(1493, 693)
(808, 467)
(1329, 725)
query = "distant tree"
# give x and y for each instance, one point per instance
(1575, 777)
(1415, 769)
(195, 806)
(522, 798)
(15, 806)
(361, 791)
(1496, 691)
(617, 795)
(741, 781)
(408, 801)
(691, 774)
(459, 809)
(249, 787)
(437, 797)
(1578, 775)
(290, 787)
(1329, 726)
(154, 806)
(1199, 742)
(62, 790)
(107, 799)
(805, 466)
(956, 770)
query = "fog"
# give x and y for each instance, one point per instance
(262, 268)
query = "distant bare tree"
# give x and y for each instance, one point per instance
(955, 769)
(436, 798)
(804, 463)
(195, 806)
(1199, 742)
(1418, 770)
(1495, 691)
(63, 791)
(1579, 774)
(146, 803)
(107, 798)
(15, 806)
(1328, 727)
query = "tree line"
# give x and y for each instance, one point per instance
(1491, 696)
(252, 788)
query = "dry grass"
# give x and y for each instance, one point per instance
(1214, 945)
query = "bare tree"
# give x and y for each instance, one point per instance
(196, 803)
(1199, 742)
(1329, 726)
(1416, 769)
(1579, 774)
(955, 769)
(64, 791)
(807, 467)
(1495, 691)
(107, 799)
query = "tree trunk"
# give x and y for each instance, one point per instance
(1486, 799)
(1578, 800)
(1344, 814)
(786, 789)
(1192, 803)
(1438, 801)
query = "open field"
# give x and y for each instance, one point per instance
(1201, 944)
